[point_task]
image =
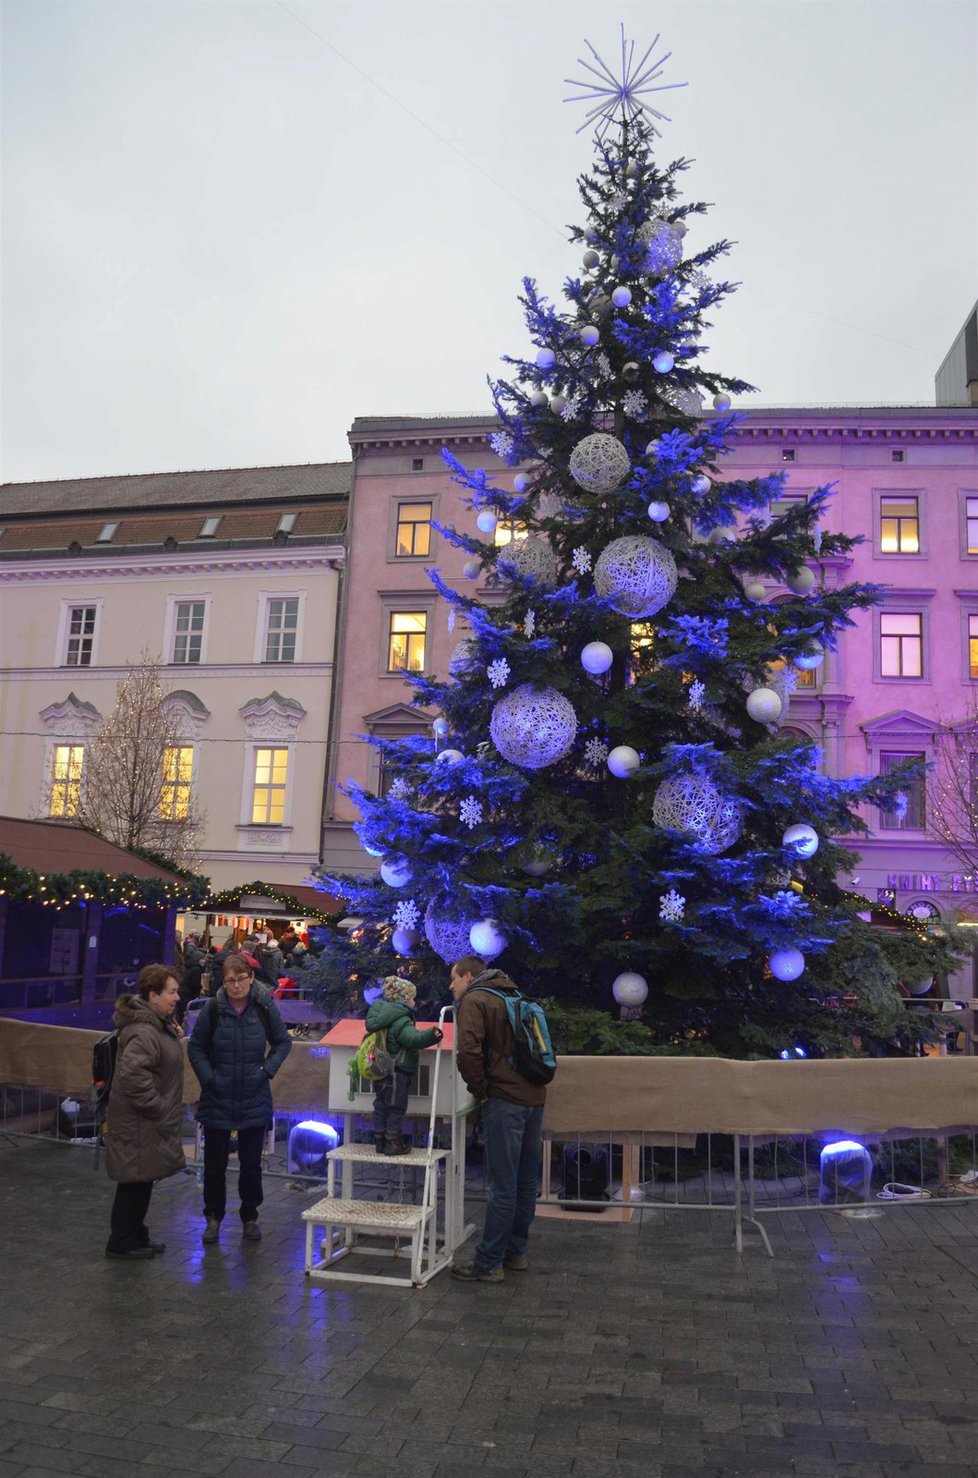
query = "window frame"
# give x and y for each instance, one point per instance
(404, 500)
(900, 495)
(405, 602)
(964, 494)
(251, 783)
(416, 554)
(394, 614)
(903, 603)
(50, 762)
(173, 602)
(265, 597)
(191, 783)
(64, 631)
(886, 820)
(284, 630)
(902, 638)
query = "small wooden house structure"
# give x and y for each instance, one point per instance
(343, 1041)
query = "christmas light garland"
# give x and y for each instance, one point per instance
(229, 901)
(61, 890)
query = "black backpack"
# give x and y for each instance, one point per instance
(105, 1054)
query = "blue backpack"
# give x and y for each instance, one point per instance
(534, 1057)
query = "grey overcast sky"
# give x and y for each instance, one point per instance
(224, 236)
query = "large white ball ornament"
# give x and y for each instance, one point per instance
(764, 705)
(440, 725)
(447, 936)
(599, 463)
(621, 297)
(623, 761)
(520, 482)
(693, 803)
(486, 522)
(591, 259)
(370, 849)
(533, 726)
(801, 581)
(701, 485)
(557, 403)
(755, 590)
(597, 657)
(539, 398)
(405, 941)
(396, 872)
(546, 359)
(721, 402)
(633, 169)
(530, 558)
(801, 839)
(658, 512)
(630, 989)
(652, 449)
(636, 575)
(663, 362)
(540, 863)
(471, 569)
(449, 757)
(487, 939)
(786, 964)
(680, 226)
(810, 658)
(590, 335)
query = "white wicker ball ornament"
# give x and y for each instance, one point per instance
(589, 335)
(597, 657)
(801, 581)
(810, 658)
(764, 705)
(663, 362)
(448, 937)
(471, 569)
(486, 521)
(636, 575)
(546, 358)
(693, 803)
(630, 989)
(533, 726)
(755, 590)
(487, 939)
(449, 757)
(786, 964)
(531, 558)
(396, 872)
(462, 656)
(599, 463)
(801, 839)
(623, 761)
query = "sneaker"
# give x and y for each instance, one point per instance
(211, 1231)
(251, 1231)
(470, 1272)
(518, 1263)
(134, 1252)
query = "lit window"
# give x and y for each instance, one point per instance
(788, 455)
(178, 774)
(209, 528)
(971, 514)
(804, 677)
(786, 502)
(286, 523)
(899, 526)
(405, 647)
(66, 772)
(282, 629)
(268, 791)
(901, 644)
(413, 529)
(973, 646)
(508, 529)
(81, 636)
(188, 631)
(107, 533)
(913, 819)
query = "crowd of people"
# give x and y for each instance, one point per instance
(239, 1043)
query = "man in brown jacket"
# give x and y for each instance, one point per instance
(512, 1119)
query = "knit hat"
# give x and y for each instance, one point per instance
(396, 989)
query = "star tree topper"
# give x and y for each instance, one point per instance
(611, 96)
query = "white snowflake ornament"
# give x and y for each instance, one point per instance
(697, 693)
(595, 753)
(635, 405)
(581, 561)
(571, 408)
(498, 672)
(470, 811)
(451, 619)
(406, 914)
(398, 789)
(529, 625)
(502, 443)
(672, 906)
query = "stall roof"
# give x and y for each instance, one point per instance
(52, 847)
(252, 898)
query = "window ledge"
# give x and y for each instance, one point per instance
(263, 826)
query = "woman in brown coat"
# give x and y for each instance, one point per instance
(145, 1108)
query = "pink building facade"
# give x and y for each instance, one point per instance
(905, 478)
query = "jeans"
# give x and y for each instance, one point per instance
(513, 1148)
(128, 1225)
(217, 1145)
(390, 1104)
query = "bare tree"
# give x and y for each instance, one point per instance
(953, 816)
(137, 788)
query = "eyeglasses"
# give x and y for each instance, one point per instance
(231, 979)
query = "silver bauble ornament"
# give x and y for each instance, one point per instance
(764, 706)
(755, 591)
(721, 402)
(801, 581)
(636, 575)
(801, 839)
(533, 726)
(597, 657)
(621, 297)
(396, 872)
(591, 259)
(630, 989)
(786, 964)
(487, 939)
(471, 569)
(539, 398)
(658, 512)
(486, 521)
(404, 941)
(589, 335)
(812, 657)
(623, 761)
(663, 362)
(546, 358)
(449, 757)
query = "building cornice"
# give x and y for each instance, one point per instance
(195, 672)
(61, 567)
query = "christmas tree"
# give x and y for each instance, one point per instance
(605, 807)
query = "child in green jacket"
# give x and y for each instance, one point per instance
(394, 1013)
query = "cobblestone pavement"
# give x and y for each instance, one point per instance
(639, 1350)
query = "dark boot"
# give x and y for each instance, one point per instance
(394, 1145)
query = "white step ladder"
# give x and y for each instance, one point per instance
(345, 1220)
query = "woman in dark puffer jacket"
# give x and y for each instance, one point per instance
(145, 1109)
(228, 1053)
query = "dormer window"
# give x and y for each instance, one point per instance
(209, 528)
(107, 533)
(287, 523)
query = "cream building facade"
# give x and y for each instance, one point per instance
(232, 580)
